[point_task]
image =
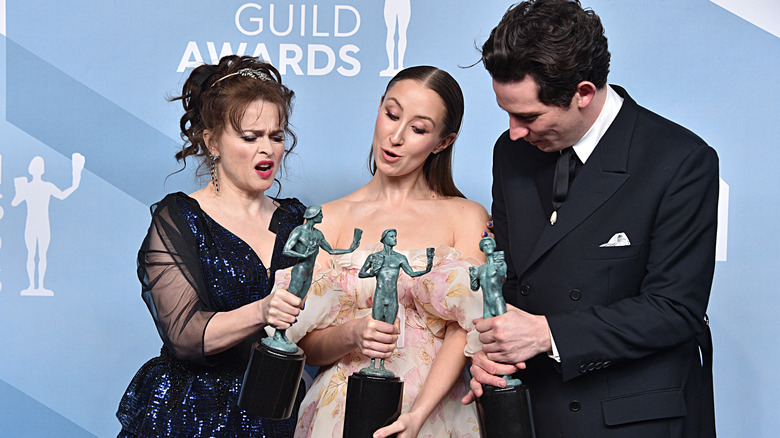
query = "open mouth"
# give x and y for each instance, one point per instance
(390, 156)
(265, 168)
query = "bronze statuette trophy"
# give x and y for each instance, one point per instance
(502, 412)
(374, 394)
(276, 364)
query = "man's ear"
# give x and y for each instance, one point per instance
(586, 90)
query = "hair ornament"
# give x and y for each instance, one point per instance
(257, 74)
(203, 75)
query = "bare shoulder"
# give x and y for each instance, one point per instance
(470, 210)
(469, 226)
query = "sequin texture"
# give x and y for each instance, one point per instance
(177, 398)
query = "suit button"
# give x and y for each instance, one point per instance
(599, 365)
(575, 406)
(591, 366)
(575, 294)
(607, 363)
(525, 290)
(583, 368)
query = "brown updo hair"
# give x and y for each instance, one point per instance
(438, 167)
(215, 95)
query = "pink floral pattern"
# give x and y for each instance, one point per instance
(427, 304)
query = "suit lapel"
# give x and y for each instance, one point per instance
(525, 196)
(545, 163)
(602, 175)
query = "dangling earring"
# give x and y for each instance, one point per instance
(213, 166)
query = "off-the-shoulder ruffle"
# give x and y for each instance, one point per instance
(337, 295)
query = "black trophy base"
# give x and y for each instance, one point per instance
(372, 403)
(271, 382)
(505, 412)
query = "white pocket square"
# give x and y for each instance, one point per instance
(619, 239)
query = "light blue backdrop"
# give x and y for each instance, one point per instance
(92, 77)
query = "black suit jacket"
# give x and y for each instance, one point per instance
(625, 319)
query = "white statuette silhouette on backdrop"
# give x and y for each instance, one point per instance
(37, 232)
(399, 11)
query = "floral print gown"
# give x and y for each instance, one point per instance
(426, 304)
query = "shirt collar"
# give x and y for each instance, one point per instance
(585, 146)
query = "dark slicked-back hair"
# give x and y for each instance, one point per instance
(438, 167)
(557, 42)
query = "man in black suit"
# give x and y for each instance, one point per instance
(607, 215)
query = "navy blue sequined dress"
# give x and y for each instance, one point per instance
(191, 267)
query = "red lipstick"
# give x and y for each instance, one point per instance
(265, 168)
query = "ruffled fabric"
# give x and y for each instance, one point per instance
(426, 304)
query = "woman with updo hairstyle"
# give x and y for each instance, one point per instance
(207, 262)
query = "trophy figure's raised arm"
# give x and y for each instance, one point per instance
(276, 364)
(385, 265)
(374, 394)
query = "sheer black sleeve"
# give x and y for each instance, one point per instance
(171, 283)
